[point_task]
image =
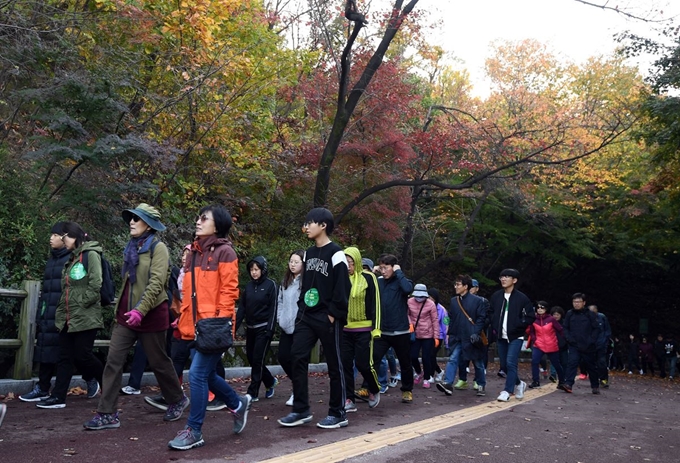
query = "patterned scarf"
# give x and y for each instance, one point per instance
(133, 249)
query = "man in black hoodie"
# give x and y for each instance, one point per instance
(582, 330)
(258, 306)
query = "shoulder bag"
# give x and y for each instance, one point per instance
(482, 334)
(413, 335)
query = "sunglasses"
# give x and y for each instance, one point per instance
(135, 218)
(203, 218)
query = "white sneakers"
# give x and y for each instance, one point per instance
(289, 402)
(519, 390)
(504, 396)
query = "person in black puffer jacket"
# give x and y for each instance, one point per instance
(46, 352)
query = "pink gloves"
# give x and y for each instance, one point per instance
(134, 318)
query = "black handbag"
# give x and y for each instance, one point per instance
(212, 335)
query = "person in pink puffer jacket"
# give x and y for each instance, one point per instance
(543, 334)
(424, 321)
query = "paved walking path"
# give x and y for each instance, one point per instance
(636, 420)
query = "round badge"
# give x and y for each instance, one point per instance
(312, 297)
(78, 271)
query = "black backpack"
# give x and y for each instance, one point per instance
(108, 289)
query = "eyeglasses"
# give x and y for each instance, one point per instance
(294, 262)
(203, 218)
(458, 283)
(135, 218)
(541, 307)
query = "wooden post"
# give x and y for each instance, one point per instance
(23, 363)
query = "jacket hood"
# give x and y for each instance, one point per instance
(355, 254)
(262, 263)
(89, 246)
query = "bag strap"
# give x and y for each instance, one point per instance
(194, 302)
(421, 311)
(466, 314)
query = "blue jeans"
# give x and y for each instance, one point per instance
(452, 364)
(480, 372)
(508, 352)
(382, 373)
(202, 376)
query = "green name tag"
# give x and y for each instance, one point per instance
(312, 297)
(78, 271)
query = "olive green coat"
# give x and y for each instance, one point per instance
(80, 305)
(149, 290)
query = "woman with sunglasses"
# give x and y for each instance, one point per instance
(79, 313)
(543, 334)
(142, 315)
(211, 283)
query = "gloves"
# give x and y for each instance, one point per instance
(376, 333)
(475, 339)
(174, 323)
(436, 343)
(410, 328)
(134, 318)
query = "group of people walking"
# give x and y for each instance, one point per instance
(357, 311)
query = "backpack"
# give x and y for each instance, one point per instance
(108, 289)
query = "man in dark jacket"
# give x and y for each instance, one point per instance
(582, 332)
(603, 340)
(467, 319)
(512, 313)
(394, 324)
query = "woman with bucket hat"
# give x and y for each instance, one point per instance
(142, 315)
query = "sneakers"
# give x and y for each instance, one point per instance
(480, 391)
(519, 390)
(350, 406)
(407, 397)
(504, 396)
(552, 379)
(604, 383)
(362, 393)
(215, 405)
(630, 372)
(93, 388)
(461, 385)
(534, 384)
(103, 421)
(289, 402)
(35, 395)
(253, 399)
(3, 411)
(398, 376)
(129, 390)
(642, 372)
(565, 387)
(393, 382)
(333, 422)
(295, 419)
(174, 411)
(269, 393)
(186, 439)
(426, 384)
(596, 390)
(418, 378)
(384, 389)
(582, 377)
(475, 386)
(241, 414)
(51, 402)
(439, 377)
(373, 400)
(157, 401)
(501, 374)
(446, 388)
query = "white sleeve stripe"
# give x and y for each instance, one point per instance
(339, 257)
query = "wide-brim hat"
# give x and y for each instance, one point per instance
(148, 214)
(420, 290)
(367, 262)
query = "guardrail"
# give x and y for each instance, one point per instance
(25, 342)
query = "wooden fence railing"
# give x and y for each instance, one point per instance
(25, 341)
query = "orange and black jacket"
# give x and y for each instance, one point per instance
(215, 271)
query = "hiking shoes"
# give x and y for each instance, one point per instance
(333, 422)
(35, 395)
(174, 411)
(407, 397)
(103, 421)
(93, 388)
(157, 401)
(241, 414)
(295, 419)
(186, 439)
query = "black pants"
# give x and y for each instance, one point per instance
(45, 373)
(285, 360)
(401, 343)
(427, 346)
(76, 348)
(257, 345)
(357, 349)
(575, 357)
(311, 328)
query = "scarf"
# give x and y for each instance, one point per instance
(356, 310)
(133, 249)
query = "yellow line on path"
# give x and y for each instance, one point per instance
(355, 446)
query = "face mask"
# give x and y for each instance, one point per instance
(420, 298)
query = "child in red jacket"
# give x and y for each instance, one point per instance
(543, 335)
